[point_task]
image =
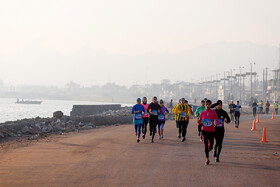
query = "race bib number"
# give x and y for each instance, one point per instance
(138, 116)
(155, 112)
(183, 115)
(221, 123)
(145, 113)
(207, 122)
(161, 117)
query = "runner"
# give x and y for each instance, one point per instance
(138, 111)
(161, 119)
(254, 106)
(220, 129)
(197, 115)
(237, 110)
(261, 106)
(177, 117)
(145, 117)
(206, 119)
(276, 106)
(231, 111)
(183, 110)
(267, 105)
(154, 110)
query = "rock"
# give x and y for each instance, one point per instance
(58, 127)
(19, 133)
(47, 129)
(275, 153)
(2, 135)
(25, 129)
(38, 126)
(58, 114)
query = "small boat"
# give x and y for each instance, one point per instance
(28, 102)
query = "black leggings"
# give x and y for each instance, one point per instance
(183, 125)
(237, 116)
(153, 126)
(208, 139)
(254, 113)
(144, 126)
(219, 137)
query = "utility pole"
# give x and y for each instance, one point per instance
(240, 85)
(263, 85)
(224, 87)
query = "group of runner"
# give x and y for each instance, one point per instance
(210, 119)
(260, 106)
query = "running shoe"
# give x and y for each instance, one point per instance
(184, 139)
(159, 137)
(179, 136)
(152, 141)
(207, 162)
(162, 136)
(217, 159)
(214, 154)
(143, 136)
(199, 134)
(150, 133)
(138, 140)
(201, 138)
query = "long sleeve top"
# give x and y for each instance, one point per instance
(207, 120)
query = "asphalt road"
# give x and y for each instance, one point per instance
(110, 156)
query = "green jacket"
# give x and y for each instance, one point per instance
(199, 110)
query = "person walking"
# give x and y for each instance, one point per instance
(237, 110)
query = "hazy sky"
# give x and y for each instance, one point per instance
(52, 42)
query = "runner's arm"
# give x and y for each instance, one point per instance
(216, 118)
(227, 117)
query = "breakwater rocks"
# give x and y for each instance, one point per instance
(40, 127)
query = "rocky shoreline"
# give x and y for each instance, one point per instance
(35, 128)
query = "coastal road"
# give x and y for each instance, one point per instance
(110, 156)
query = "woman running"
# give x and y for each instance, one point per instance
(161, 119)
(154, 110)
(145, 117)
(220, 129)
(138, 111)
(208, 128)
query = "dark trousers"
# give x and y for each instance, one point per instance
(237, 116)
(153, 126)
(144, 126)
(208, 140)
(183, 125)
(267, 111)
(219, 137)
(276, 111)
(254, 113)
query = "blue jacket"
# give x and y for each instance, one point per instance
(138, 116)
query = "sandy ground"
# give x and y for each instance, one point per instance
(111, 157)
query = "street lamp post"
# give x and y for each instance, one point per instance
(251, 77)
(240, 85)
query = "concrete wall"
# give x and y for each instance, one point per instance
(87, 110)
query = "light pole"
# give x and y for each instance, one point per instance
(251, 77)
(231, 82)
(240, 85)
